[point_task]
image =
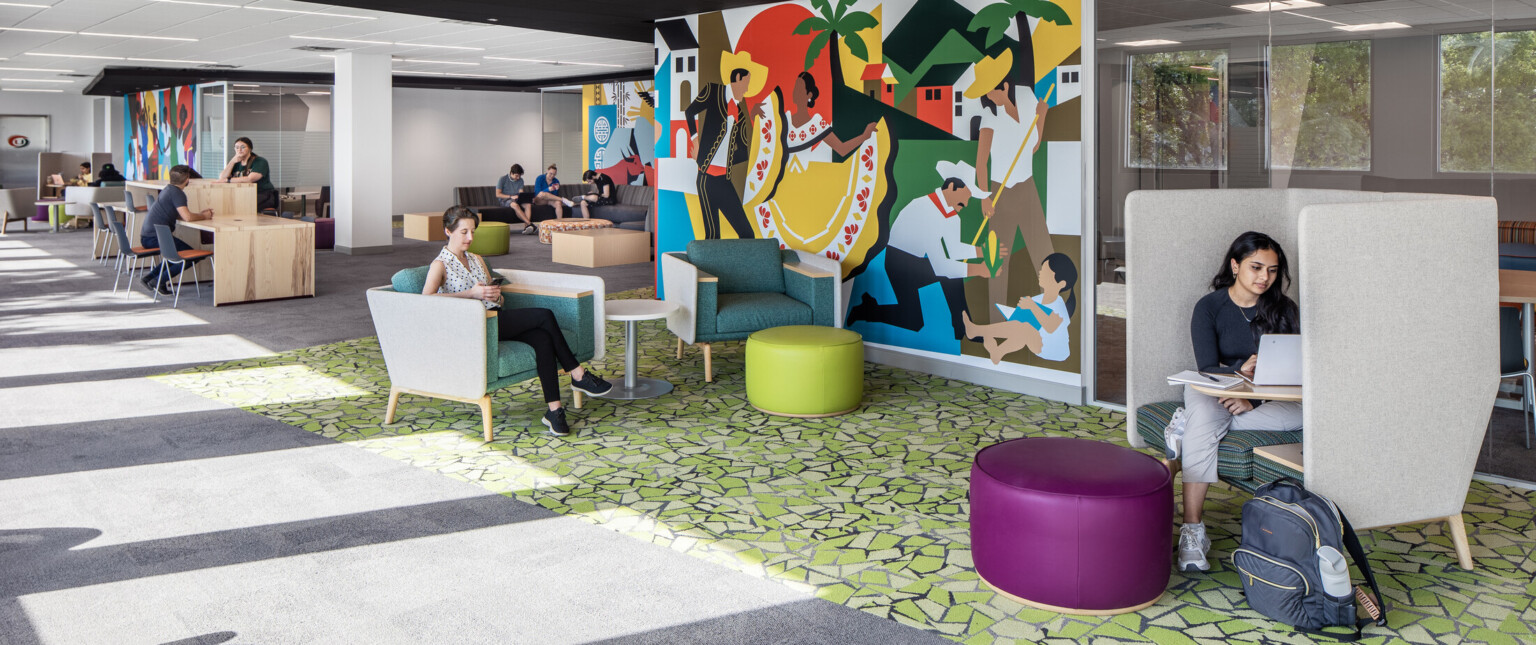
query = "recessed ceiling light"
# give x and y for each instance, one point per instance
(1148, 43)
(35, 80)
(459, 74)
(143, 60)
(246, 84)
(236, 6)
(490, 19)
(96, 33)
(549, 62)
(75, 56)
(345, 40)
(435, 62)
(24, 5)
(23, 89)
(1372, 26)
(473, 49)
(36, 69)
(1277, 5)
(317, 92)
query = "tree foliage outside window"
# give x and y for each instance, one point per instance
(1476, 70)
(1178, 102)
(1320, 106)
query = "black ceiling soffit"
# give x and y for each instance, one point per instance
(118, 81)
(618, 19)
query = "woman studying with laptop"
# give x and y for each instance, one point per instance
(1246, 302)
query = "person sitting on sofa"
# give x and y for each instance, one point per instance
(602, 192)
(1247, 300)
(84, 178)
(458, 273)
(546, 190)
(509, 193)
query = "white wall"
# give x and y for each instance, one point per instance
(69, 125)
(449, 138)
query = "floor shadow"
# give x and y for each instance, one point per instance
(205, 639)
(43, 560)
(807, 621)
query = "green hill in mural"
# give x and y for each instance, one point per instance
(930, 38)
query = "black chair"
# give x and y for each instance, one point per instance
(169, 254)
(1512, 365)
(128, 255)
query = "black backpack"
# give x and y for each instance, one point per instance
(1284, 526)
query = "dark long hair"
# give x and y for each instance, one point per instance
(810, 89)
(1277, 312)
(1065, 271)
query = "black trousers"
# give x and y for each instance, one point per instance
(717, 194)
(908, 273)
(536, 328)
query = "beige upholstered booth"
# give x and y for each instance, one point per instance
(1399, 318)
(16, 205)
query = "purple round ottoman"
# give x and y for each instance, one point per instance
(1071, 525)
(325, 233)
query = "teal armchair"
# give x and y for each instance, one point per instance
(429, 341)
(727, 289)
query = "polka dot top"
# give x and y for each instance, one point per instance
(458, 277)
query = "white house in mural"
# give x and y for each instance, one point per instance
(684, 54)
(1069, 82)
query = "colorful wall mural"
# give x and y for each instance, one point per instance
(160, 131)
(620, 122)
(932, 147)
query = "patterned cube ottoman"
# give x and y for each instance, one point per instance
(549, 226)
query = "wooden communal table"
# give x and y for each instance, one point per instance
(259, 257)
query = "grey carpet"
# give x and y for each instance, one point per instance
(133, 513)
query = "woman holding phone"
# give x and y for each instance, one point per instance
(1247, 300)
(457, 273)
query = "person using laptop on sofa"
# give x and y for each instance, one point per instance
(509, 193)
(603, 192)
(1247, 300)
(457, 273)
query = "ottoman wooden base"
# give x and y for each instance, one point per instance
(1069, 610)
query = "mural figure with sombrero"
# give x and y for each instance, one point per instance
(720, 136)
(1006, 142)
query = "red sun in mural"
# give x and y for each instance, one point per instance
(772, 42)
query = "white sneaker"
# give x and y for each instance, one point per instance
(1173, 435)
(568, 203)
(1193, 545)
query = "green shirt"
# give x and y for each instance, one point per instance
(258, 164)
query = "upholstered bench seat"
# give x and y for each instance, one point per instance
(550, 226)
(1234, 457)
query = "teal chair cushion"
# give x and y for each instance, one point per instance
(411, 280)
(1234, 457)
(513, 357)
(743, 266)
(748, 312)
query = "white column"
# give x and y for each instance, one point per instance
(360, 179)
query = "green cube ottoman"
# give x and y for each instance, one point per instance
(491, 238)
(805, 371)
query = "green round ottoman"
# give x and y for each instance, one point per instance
(805, 371)
(491, 238)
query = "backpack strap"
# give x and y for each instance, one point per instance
(1357, 553)
(1342, 638)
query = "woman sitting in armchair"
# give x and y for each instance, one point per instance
(457, 273)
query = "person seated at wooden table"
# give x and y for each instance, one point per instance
(246, 167)
(169, 208)
(1247, 300)
(458, 273)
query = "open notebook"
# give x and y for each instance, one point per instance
(1218, 381)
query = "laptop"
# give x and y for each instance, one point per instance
(1279, 360)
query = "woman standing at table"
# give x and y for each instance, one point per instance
(1247, 300)
(458, 273)
(246, 167)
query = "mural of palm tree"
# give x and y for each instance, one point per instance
(995, 18)
(833, 23)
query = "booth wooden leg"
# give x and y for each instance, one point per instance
(679, 348)
(709, 365)
(394, 400)
(576, 398)
(1459, 539)
(485, 415)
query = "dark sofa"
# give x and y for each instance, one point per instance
(633, 211)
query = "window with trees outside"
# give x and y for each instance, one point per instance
(1178, 103)
(1482, 76)
(1320, 106)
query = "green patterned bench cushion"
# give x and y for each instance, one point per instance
(1266, 471)
(1234, 458)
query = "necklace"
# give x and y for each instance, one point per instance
(1244, 313)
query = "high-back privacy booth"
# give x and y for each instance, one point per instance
(1399, 318)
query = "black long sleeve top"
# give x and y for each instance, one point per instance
(1222, 333)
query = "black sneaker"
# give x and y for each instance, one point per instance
(149, 285)
(555, 420)
(530, 229)
(592, 384)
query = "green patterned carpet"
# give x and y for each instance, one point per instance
(868, 509)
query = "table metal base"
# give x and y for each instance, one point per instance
(644, 388)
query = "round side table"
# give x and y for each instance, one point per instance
(631, 312)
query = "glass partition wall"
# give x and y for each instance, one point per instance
(289, 125)
(1406, 95)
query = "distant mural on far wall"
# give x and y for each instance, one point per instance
(160, 132)
(621, 130)
(932, 147)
